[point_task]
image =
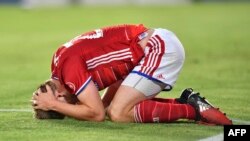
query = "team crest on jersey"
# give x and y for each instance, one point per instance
(71, 86)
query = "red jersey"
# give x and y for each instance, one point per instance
(104, 56)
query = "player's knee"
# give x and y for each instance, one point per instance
(115, 115)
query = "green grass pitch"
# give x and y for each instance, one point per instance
(216, 38)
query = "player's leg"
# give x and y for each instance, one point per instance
(121, 107)
(133, 90)
(131, 105)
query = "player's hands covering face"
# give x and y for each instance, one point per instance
(43, 100)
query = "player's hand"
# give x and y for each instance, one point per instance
(33, 101)
(43, 100)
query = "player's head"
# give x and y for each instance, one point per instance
(63, 96)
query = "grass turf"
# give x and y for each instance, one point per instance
(215, 37)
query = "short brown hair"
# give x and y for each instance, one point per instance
(41, 114)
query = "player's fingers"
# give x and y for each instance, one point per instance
(39, 91)
(35, 93)
(33, 102)
(35, 97)
(49, 90)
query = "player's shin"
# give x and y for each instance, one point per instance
(150, 111)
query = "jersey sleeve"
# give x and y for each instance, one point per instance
(75, 75)
(53, 69)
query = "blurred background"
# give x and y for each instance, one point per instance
(37, 3)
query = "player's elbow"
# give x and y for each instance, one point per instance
(96, 115)
(99, 117)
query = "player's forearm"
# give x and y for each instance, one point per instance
(80, 112)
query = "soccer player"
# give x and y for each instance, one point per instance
(135, 64)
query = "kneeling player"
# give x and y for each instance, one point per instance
(149, 60)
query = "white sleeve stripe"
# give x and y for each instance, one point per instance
(83, 86)
(56, 78)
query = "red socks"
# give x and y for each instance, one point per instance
(162, 110)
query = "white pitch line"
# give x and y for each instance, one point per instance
(219, 137)
(15, 110)
(241, 121)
